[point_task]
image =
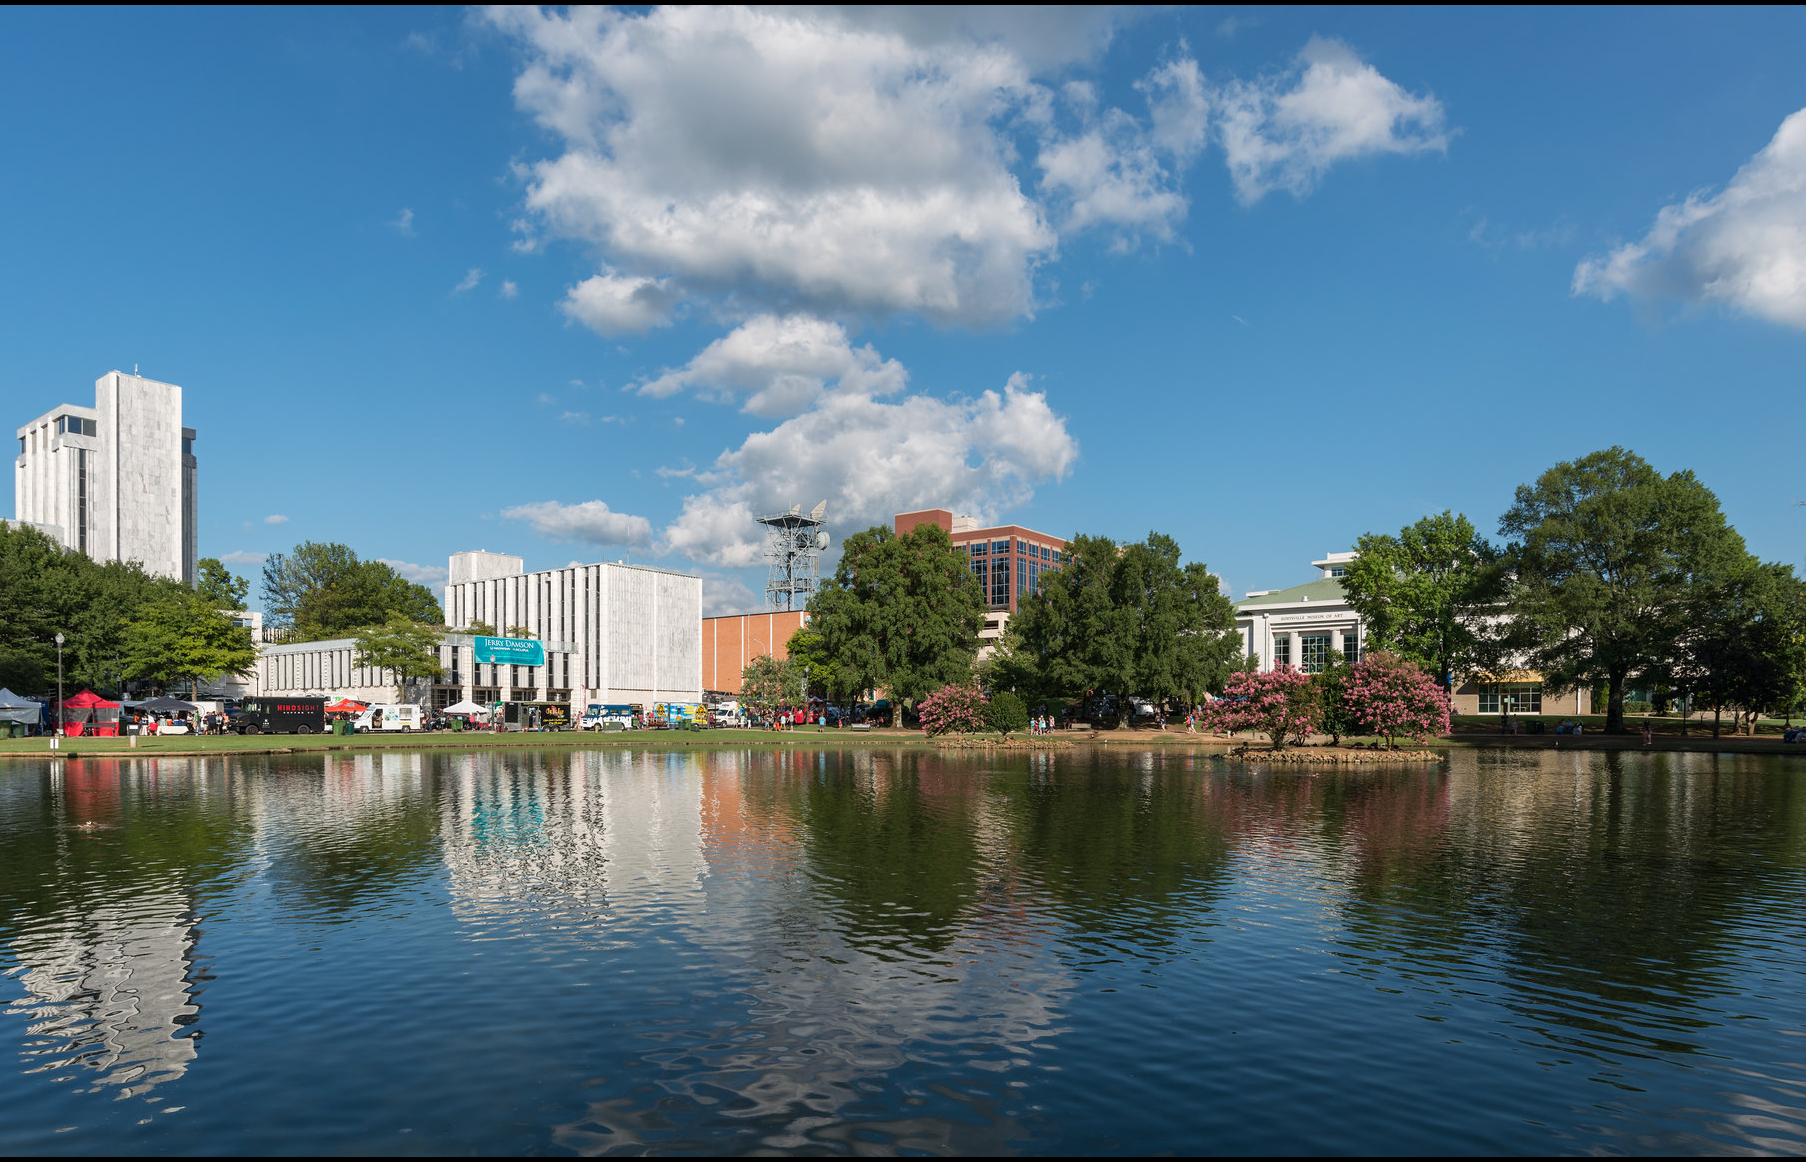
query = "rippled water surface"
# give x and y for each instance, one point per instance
(871, 951)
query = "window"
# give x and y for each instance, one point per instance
(1021, 576)
(187, 445)
(1282, 649)
(979, 549)
(1351, 647)
(1000, 547)
(979, 571)
(1034, 577)
(1338, 570)
(74, 426)
(1315, 650)
(1046, 553)
(1059, 557)
(81, 499)
(1512, 698)
(1000, 582)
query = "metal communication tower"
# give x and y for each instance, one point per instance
(794, 548)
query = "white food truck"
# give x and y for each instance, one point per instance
(383, 718)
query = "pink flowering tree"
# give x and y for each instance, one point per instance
(952, 708)
(1281, 704)
(1391, 697)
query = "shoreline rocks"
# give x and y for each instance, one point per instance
(1334, 756)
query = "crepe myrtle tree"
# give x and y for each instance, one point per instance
(1281, 703)
(953, 708)
(1390, 696)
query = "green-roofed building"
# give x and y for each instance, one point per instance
(1303, 625)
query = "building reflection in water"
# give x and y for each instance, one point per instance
(109, 983)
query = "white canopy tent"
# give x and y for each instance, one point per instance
(465, 707)
(16, 709)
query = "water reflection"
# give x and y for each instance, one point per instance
(873, 951)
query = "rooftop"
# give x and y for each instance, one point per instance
(1324, 589)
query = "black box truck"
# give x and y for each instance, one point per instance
(281, 716)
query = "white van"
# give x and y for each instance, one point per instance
(389, 718)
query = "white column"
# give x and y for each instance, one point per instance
(1335, 642)
(1297, 649)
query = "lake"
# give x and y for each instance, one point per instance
(1099, 950)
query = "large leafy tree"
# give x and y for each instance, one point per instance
(901, 614)
(46, 589)
(406, 648)
(1124, 618)
(1425, 594)
(1610, 561)
(1746, 653)
(183, 638)
(324, 590)
(219, 585)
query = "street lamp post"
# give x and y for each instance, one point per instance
(59, 684)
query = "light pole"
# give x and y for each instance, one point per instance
(59, 684)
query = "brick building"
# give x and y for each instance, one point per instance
(1008, 560)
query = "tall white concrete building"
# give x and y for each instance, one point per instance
(626, 633)
(117, 480)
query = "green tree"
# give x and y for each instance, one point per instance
(901, 614)
(1005, 713)
(481, 629)
(809, 656)
(1747, 655)
(766, 686)
(1425, 593)
(324, 590)
(184, 638)
(406, 648)
(1129, 619)
(1610, 559)
(219, 585)
(1335, 716)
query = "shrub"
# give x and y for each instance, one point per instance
(1006, 713)
(952, 708)
(1280, 703)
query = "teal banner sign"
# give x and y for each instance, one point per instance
(510, 651)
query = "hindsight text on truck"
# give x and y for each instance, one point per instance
(281, 716)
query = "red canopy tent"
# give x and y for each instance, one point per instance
(94, 716)
(345, 706)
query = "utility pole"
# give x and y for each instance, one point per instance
(59, 684)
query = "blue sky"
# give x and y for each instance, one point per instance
(585, 287)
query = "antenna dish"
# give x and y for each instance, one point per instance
(793, 547)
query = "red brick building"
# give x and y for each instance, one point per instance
(729, 644)
(1008, 560)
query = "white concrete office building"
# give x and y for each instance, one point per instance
(117, 480)
(630, 634)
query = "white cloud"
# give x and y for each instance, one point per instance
(1744, 247)
(404, 223)
(243, 559)
(509, 290)
(872, 459)
(790, 159)
(615, 304)
(724, 594)
(471, 278)
(1282, 133)
(432, 576)
(590, 523)
(782, 364)
(865, 163)
(275, 518)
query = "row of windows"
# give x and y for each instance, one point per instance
(1512, 698)
(74, 426)
(1314, 650)
(1023, 549)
